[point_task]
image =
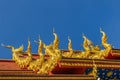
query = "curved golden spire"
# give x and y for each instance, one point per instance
(28, 51)
(85, 43)
(108, 47)
(56, 40)
(40, 47)
(54, 55)
(14, 51)
(36, 64)
(70, 44)
(104, 39)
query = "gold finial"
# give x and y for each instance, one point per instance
(70, 44)
(56, 41)
(40, 47)
(85, 43)
(107, 46)
(29, 46)
(104, 38)
(36, 64)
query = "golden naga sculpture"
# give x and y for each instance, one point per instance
(86, 52)
(56, 41)
(94, 50)
(35, 65)
(108, 47)
(15, 52)
(103, 53)
(45, 66)
(86, 44)
(90, 51)
(22, 62)
(54, 56)
(70, 53)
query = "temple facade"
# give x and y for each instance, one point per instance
(51, 63)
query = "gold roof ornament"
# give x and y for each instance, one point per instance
(44, 66)
(70, 53)
(14, 51)
(40, 47)
(70, 44)
(103, 53)
(56, 40)
(86, 47)
(22, 62)
(29, 47)
(54, 55)
(107, 46)
(35, 65)
(85, 43)
(104, 38)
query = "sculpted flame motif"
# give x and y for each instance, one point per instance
(86, 47)
(54, 56)
(107, 46)
(70, 53)
(22, 62)
(35, 65)
(44, 65)
(103, 53)
(90, 51)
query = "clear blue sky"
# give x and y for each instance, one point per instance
(23, 19)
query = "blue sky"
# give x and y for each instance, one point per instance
(23, 19)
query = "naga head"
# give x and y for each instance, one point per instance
(20, 49)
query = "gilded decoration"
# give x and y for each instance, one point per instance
(45, 66)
